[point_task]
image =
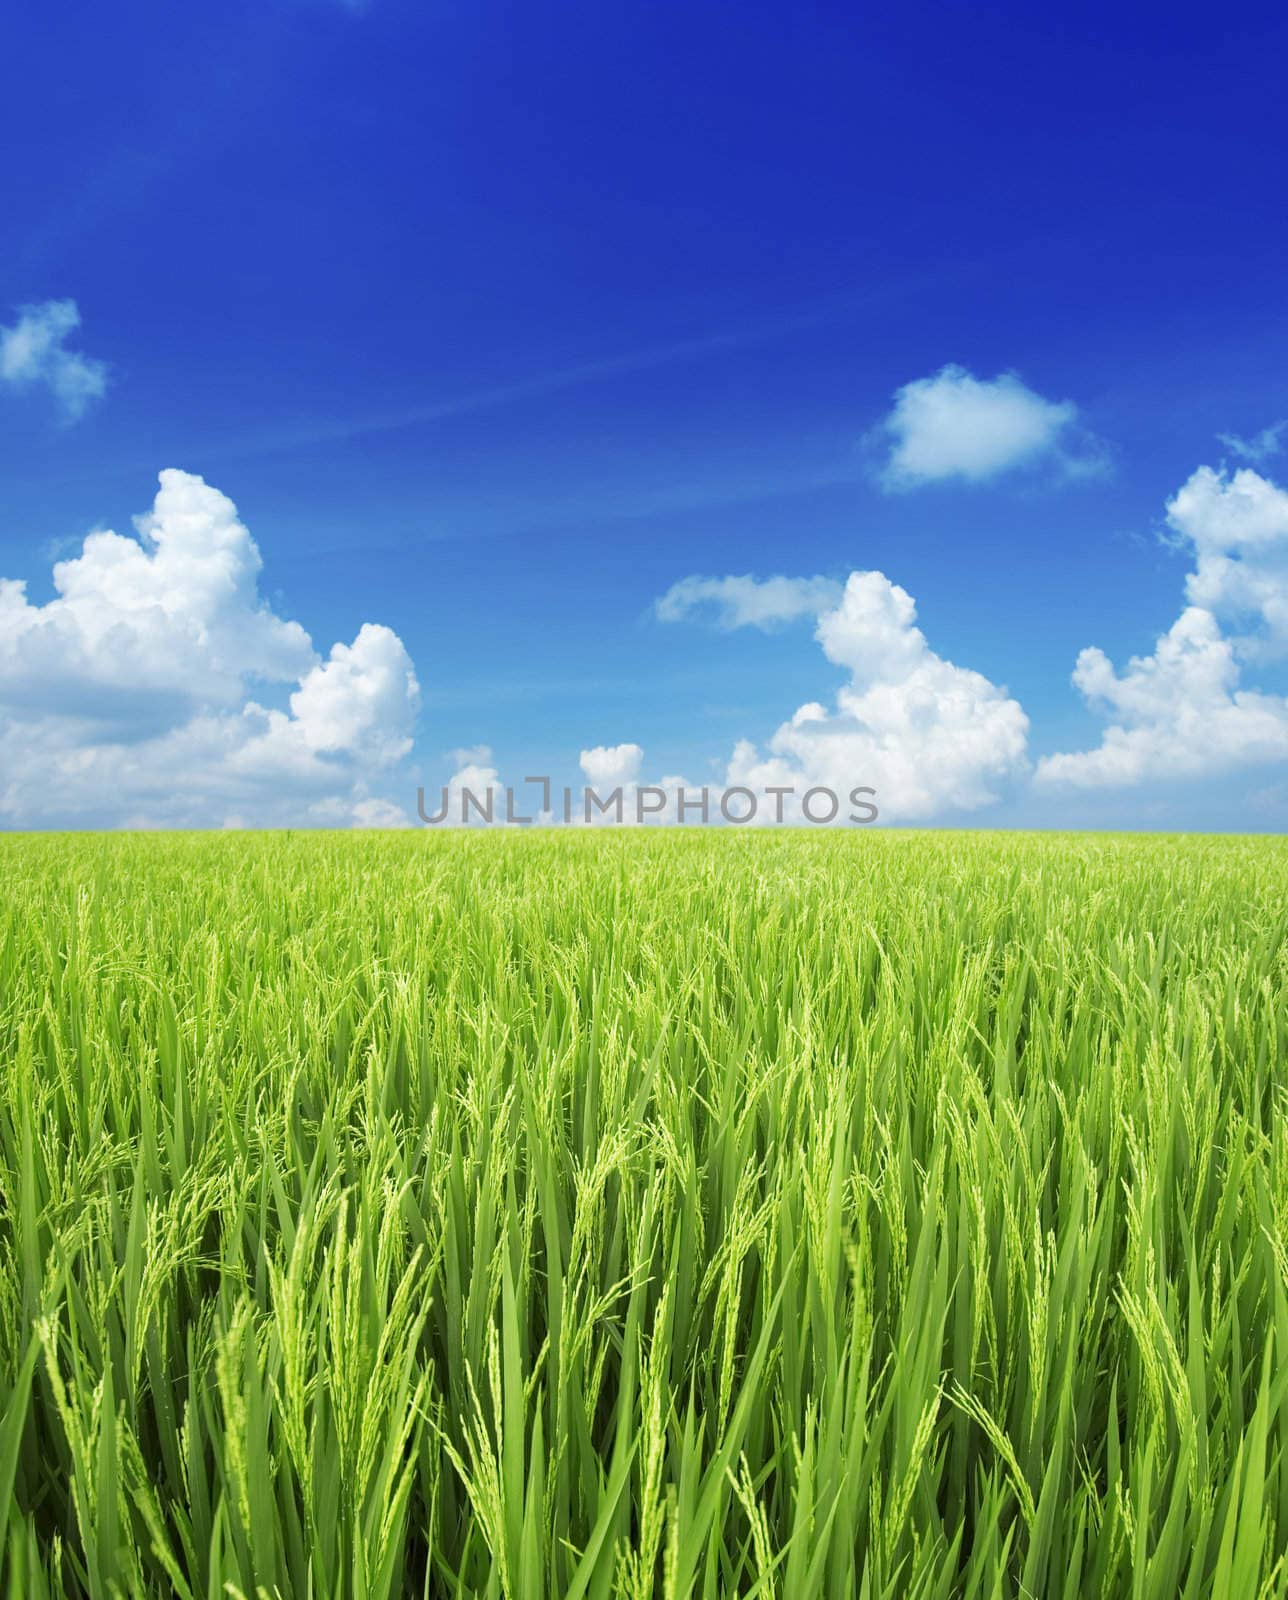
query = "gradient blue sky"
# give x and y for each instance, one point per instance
(496, 321)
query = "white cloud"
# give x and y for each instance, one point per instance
(612, 764)
(930, 737)
(1268, 442)
(480, 779)
(471, 755)
(741, 602)
(152, 625)
(375, 813)
(472, 797)
(956, 426)
(129, 694)
(607, 769)
(1181, 712)
(1238, 529)
(32, 353)
(358, 703)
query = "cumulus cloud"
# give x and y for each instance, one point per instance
(375, 813)
(33, 354)
(739, 602)
(610, 768)
(661, 802)
(1182, 711)
(476, 795)
(136, 692)
(480, 780)
(473, 797)
(956, 426)
(1179, 713)
(1237, 527)
(144, 629)
(930, 737)
(611, 765)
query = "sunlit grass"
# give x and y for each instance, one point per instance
(620, 1214)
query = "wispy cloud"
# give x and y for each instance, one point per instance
(1269, 442)
(495, 396)
(744, 601)
(666, 353)
(33, 354)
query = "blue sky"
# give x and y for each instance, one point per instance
(497, 322)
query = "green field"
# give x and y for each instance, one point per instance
(590, 1213)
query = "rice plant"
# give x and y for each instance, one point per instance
(602, 1214)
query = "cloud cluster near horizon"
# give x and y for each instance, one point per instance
(159, 688)
(931, 737)
(143, 692)
(134, 694)
(33, 354)
(1183, 711)
(476, 795)
(936, 738)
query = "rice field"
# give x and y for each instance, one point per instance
(595, 1213)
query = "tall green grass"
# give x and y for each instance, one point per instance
(589, 1214)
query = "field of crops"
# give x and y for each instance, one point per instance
(599, 1213)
